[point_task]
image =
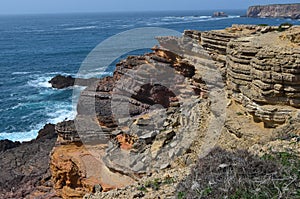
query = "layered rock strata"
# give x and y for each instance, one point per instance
(137, 121)
(260, 66)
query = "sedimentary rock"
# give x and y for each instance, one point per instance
(143, 116)
(260, 66)
(275, 11)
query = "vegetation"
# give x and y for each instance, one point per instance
(240, 175)
(155, 184)
(284, 26)
(263, 24)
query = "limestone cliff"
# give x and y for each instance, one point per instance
(275, 11)
(260, 67)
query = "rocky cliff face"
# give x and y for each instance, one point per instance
(159, 112)
(260, 68)
(132, 123)
(275, 11)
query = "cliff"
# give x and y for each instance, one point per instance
(258, 66)
(138, 133)
(275, 11)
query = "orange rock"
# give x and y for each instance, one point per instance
(76, 169)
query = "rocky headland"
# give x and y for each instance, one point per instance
(275, 11)
(139, 133)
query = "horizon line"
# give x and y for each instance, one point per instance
(118, 11)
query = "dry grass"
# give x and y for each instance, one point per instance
(239, 175)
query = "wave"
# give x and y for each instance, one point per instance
(40, 82)
(20, 136)
(61, 114)
(43, 81)
(81, 28)
(17, 106)
(186, 19)
(20, 73)
(55, 114)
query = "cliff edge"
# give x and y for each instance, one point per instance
(275, 11)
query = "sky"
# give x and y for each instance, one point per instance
(74, 6)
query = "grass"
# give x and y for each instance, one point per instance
(181, 195)
(155, 184)
(245, 176)
(263, 24)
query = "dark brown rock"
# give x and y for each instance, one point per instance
(61, 82)
(7, 144)
(25, 168)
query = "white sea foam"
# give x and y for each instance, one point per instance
(20, 73)
(59, 113)
(17, 106)
(20, 136)
(81, 28)
(185, 19)
(42, 81)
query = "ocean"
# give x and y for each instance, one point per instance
(35, 48)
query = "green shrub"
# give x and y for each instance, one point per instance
(263, 24)
(284, 26)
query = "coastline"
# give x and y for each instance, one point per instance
(215, 43)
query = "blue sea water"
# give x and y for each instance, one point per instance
(35, 48)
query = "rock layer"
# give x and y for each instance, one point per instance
(275, 11)
(260, 66)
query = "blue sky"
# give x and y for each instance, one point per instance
(70, 6)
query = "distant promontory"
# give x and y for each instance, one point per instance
(275, 11)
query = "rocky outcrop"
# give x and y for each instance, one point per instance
(220, 14)
(7, 144)
(259, 65)
(264, 70)
(25, 167)
(137, 121)
(155, 108)
(275, 11)
(216, 41)
(61, 82)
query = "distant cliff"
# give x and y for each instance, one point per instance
(275, 11)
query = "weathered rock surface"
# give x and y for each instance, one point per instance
(260, 68)
(275, 11)
(145, 116)
(25, 167)
(7, 144)
(156, 108)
